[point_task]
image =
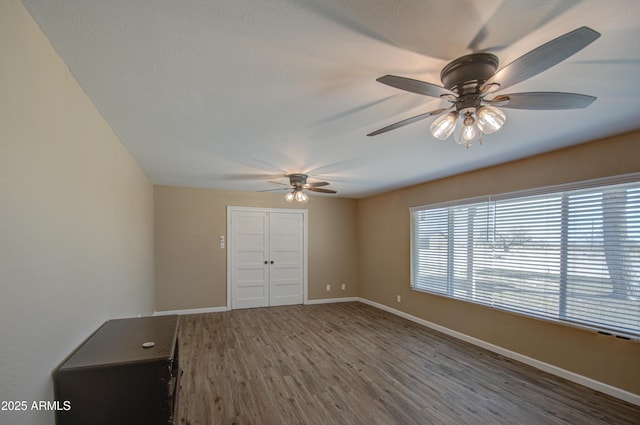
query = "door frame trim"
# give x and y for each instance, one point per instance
(305, 244)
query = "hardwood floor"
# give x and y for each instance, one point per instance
(353, 364)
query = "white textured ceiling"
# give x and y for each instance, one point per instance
(230, 94)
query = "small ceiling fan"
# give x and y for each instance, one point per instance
(297, 186)
(468, 81)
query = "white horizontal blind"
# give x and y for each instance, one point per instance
(569, 255)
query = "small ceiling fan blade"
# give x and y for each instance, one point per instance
(316, 184)
(543, 57)
(414, 86)
(407, 121)
(272, 190)
(543, 100)
(321, 190)
(284, 184)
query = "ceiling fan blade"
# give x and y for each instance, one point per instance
(321, 190)
(414, 86)
(407, 121)
(316, 184)
(284, 184)
(542, 100)
(272, 190)
(543, 57)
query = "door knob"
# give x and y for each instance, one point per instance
(266, 262)
(271, 261)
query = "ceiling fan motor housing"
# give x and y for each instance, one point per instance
(466, 74)
(297, 180)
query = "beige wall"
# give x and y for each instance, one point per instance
(191, 268)
(76, 217)
(383, 267)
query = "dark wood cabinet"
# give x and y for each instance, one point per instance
(113, 379)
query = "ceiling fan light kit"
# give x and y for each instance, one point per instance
(297, 195)
(468, 80)
(470, 128)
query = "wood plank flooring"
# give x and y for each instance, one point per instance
(353, 364)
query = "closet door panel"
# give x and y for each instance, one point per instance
(250, 274)
(286, 249)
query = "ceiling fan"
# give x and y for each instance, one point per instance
(468, 81)
(297, 186)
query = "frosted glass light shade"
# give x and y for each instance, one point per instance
(443, 126)
(490, 119)
(289, 197)
(300, 196)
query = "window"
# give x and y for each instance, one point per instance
(569, 253)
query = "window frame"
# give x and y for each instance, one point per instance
(514, 195)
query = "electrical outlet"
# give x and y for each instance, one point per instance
(344, 286)
(398, 298)
(328, 287)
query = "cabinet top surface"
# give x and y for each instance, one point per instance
(120, 341)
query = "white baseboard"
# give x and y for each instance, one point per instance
(191, 311)
(333, 300)
(225, 308)
(546, 367)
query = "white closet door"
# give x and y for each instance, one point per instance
(249, 254)
(267, 262)
(286, 258)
